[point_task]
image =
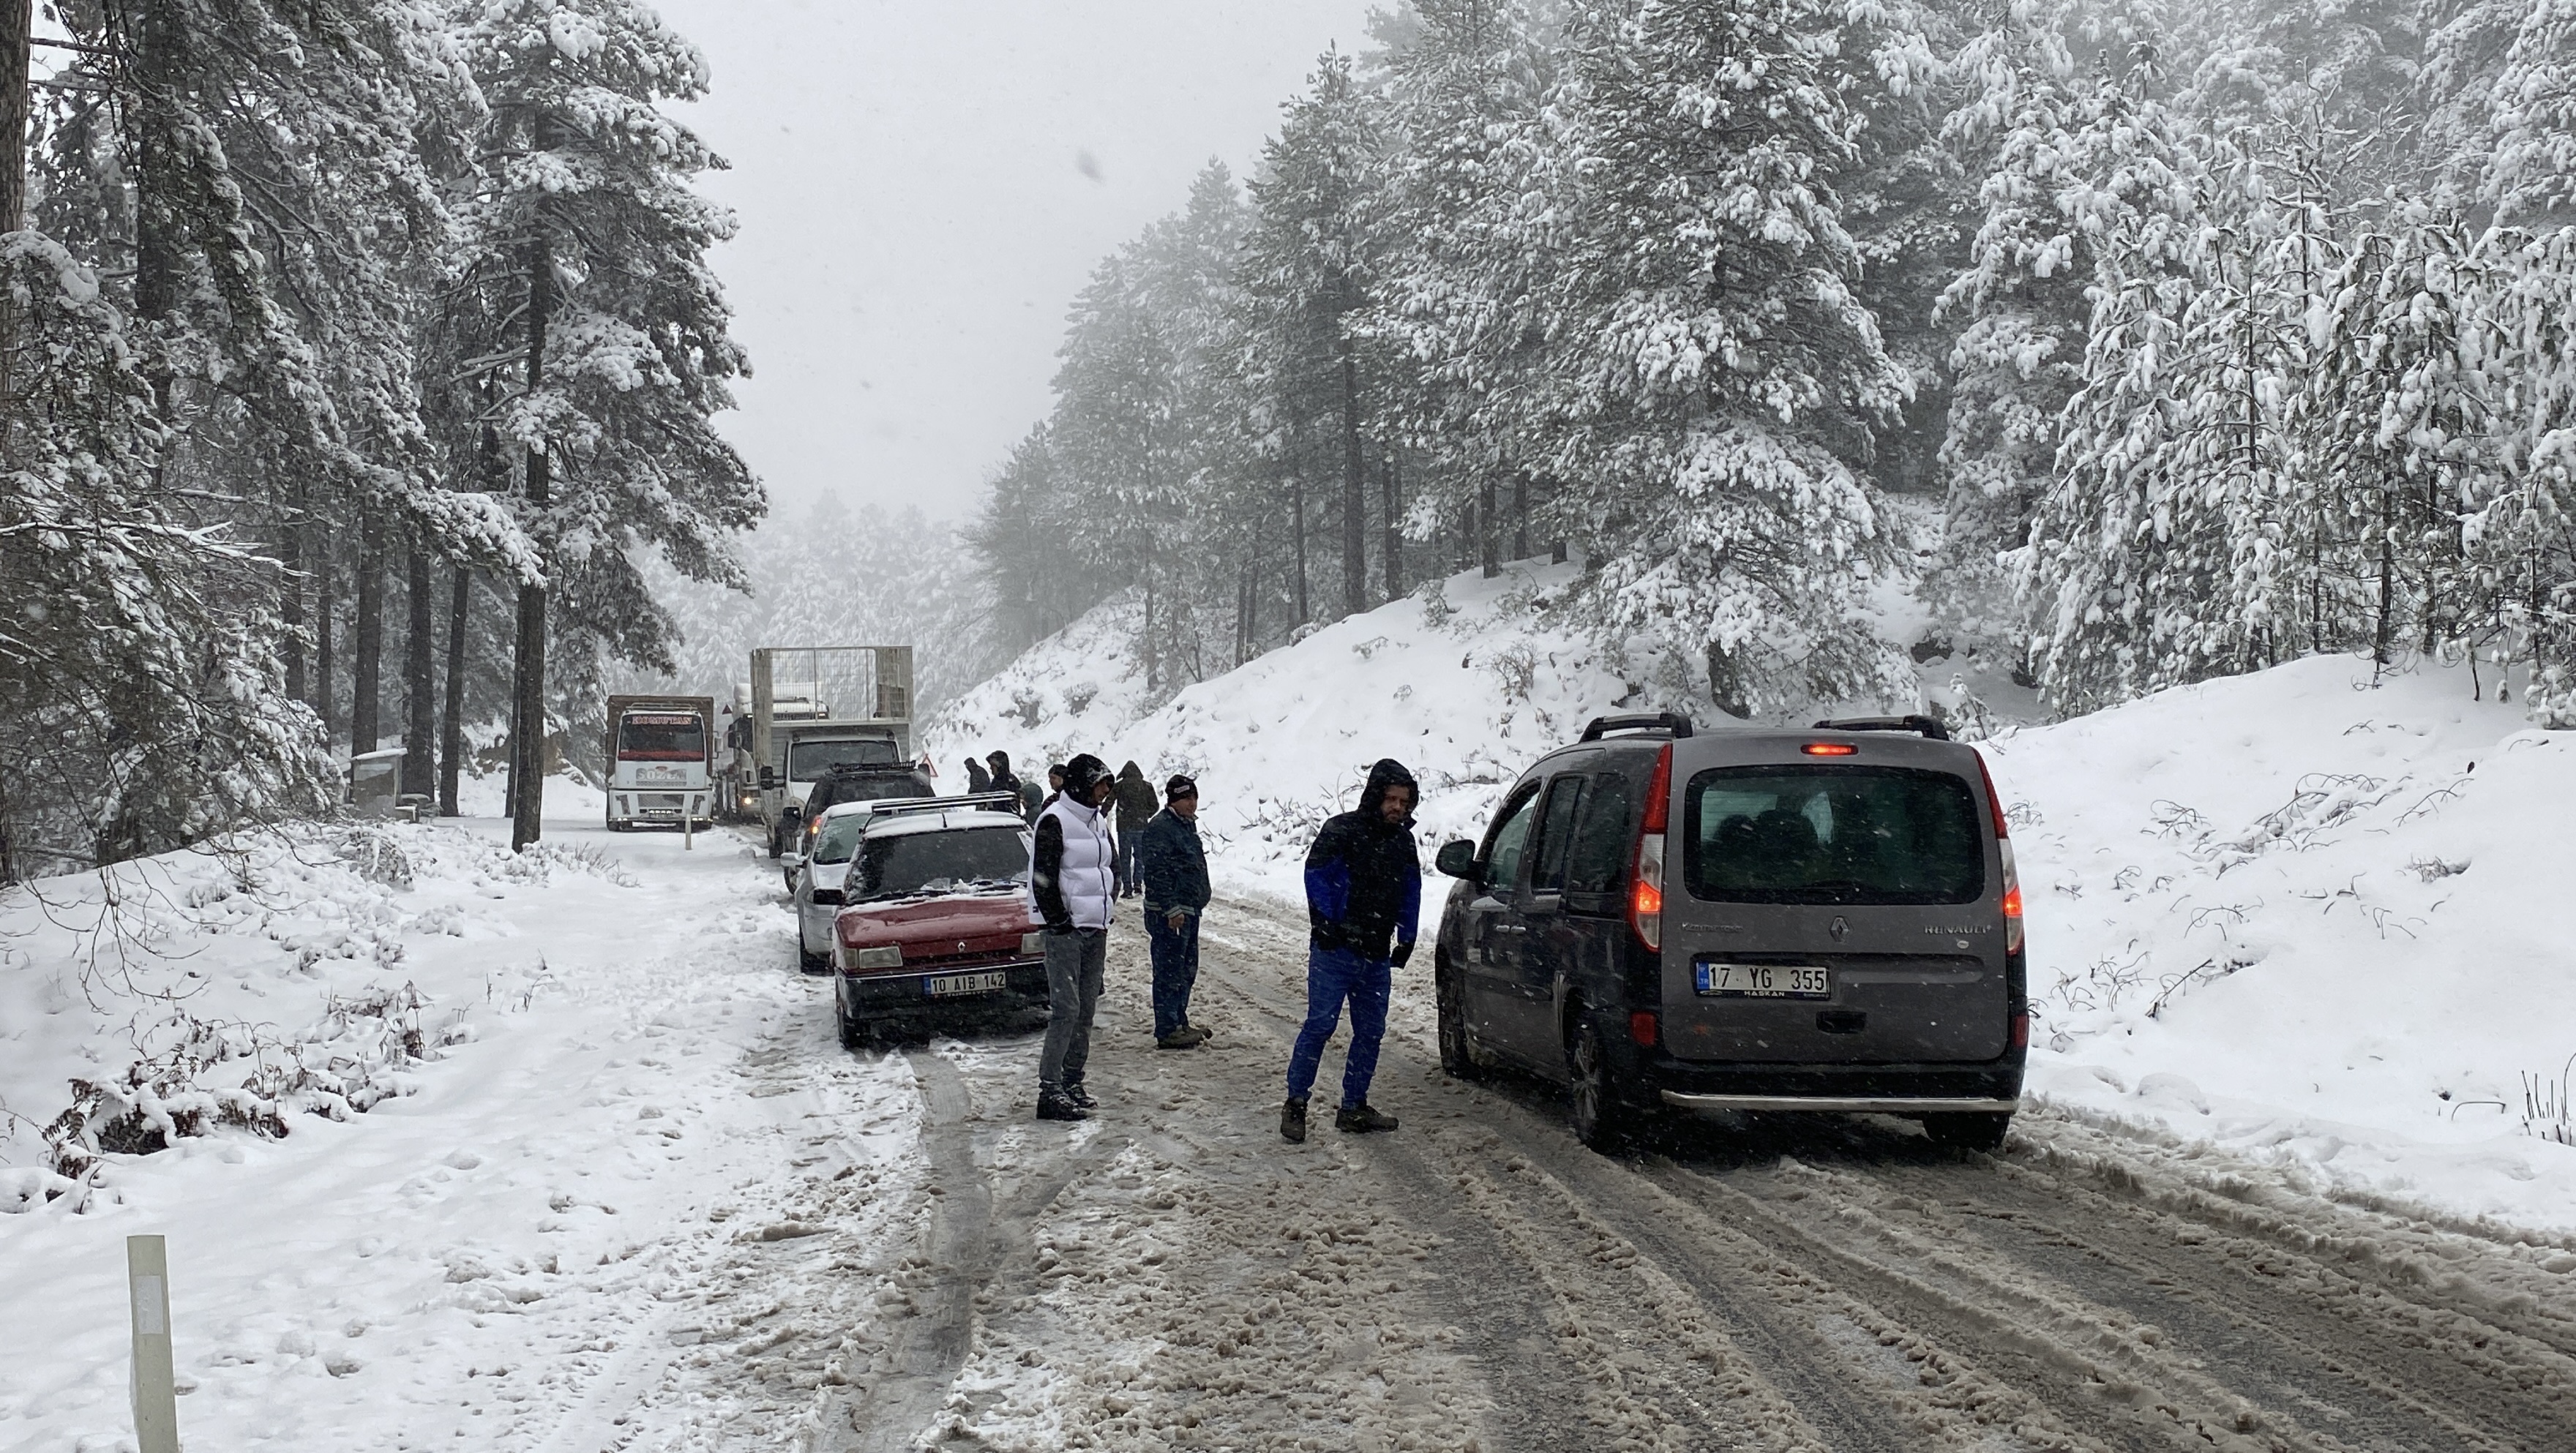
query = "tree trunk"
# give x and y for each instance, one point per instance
(1489, 532)
(451, 734)
(1520, 517)
(17, 19)
(528, 679)
(326, 605)
(2387, 586)
(290, 554)
(1354, 493)
(1390, 483)
(366, 707)
(420, 682)
(1297, 515)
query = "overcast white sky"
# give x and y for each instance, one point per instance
(909, 175)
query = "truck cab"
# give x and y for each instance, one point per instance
(661, 762)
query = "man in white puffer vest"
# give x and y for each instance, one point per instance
(1073, 890)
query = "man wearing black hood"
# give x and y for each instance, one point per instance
(1363, 903)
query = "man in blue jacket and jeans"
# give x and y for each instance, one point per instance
(1363, 904)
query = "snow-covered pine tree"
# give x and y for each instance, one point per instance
(1468, 214)
(2399, 417)
(2522, 539)
(1715, 378)
(2114, 578)
(1309, 255)
(138, 710)
(2530, 177)
(585, 252)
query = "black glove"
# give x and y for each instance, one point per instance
(1064, 927)
(1402, 952)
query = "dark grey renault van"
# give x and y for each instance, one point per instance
(1748, 919)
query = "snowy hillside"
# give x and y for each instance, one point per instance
(2280, 912)
(1286, 740)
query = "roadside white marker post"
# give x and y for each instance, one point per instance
(156, 1404)
(688, 822)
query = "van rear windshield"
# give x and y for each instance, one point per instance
(1856, 835)
(808, 761)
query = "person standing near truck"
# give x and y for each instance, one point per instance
(1073, 891)
(1174, 864)
(1363, 902)
(1135, 809)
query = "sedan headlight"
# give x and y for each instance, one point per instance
(888, 956)
(1033, 943)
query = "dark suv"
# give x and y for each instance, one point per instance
(1745, 920)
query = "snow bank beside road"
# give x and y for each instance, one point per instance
(2314, 921)
(523, 1242)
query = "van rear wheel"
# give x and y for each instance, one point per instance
(1449, 992)
(1968, 1130)
(1601, 1119)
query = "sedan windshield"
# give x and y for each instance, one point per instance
(901, 864)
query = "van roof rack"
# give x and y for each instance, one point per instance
(1671, 723)
(1924, 725)
(992, 801)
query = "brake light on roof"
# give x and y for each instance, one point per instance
(1830, 749)
(1646, 887)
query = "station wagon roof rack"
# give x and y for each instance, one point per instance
(984, 801)
(1924, 725)
(1671, 723)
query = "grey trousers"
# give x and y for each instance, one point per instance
(1074, 962)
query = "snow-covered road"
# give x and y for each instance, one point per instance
(654, 1206)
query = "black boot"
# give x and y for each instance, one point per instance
(1054, 1104)
(1292, 1122)
(1080, 1096)
(1362, 1119)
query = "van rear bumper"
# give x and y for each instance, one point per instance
(1990, 1085)
(1845, 1104)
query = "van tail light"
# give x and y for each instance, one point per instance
(1646, 894)
(2012, 901)
(1646, 887)
(2021, 1031)
(1830, 749)
(1641, 1028)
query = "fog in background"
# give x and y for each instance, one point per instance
(922, 188)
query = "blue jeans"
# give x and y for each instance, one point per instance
(1127, 881)
(1176, 968)
(1333, 975)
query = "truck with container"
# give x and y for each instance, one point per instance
(661, 761)
(806, 710)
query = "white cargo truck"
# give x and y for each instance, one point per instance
(807, 709)
(661, 761)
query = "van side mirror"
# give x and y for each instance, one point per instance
(791, 861)
(1458, 860)
(769, 779)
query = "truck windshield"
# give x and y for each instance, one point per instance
(808, 761)
(661, 736)
(1857, 835)
(899, 864)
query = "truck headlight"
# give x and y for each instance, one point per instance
(1033, 943)
(888, 956)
